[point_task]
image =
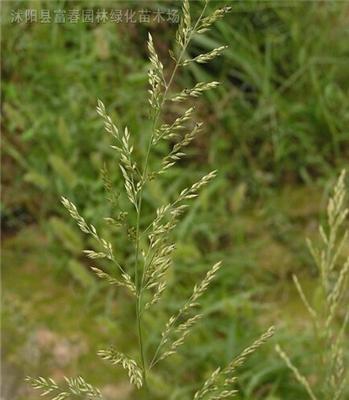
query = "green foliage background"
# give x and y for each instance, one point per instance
(276, 130)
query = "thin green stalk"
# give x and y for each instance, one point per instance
(139, 299)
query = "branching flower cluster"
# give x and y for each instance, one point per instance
(153, 246)
(76, 388)
(329, 325)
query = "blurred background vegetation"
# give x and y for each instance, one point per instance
(276, 130)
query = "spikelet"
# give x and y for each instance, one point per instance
(112, 195)
(93, 254)
(89, 229)
(75, 215)
(196, 91)
(160, 255)
(211, 19)
(335, 295)
(155, 76)
(300, 378)
(126, 279)
(127, 165)
(158, 259)
(108, 123)
(129, 169)
(171, 131)
(115, 357)
(184, 328)
(199, 290)
(219, 384)
(192, 191)
(177, 151)
(47, 385)
(209, 386)
(108, 250)
(304, 299)
(240, 360)
(206, 57)
(175, 209)
(184, 28)
(156, 270)
(181, 332)
(79, 386)
(160, 288)
(119, 221)
(73, 387)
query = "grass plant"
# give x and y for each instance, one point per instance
(329, 312)
(153, 245)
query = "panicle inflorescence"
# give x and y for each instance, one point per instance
(300, 378)
(220, 383)
(115, 357)
(329, 328)
(125, 282)
(196, 91)
(153, 246)
(109, 126)
(206, 57)
(155, 77)
(89, 229)
(129, 170)
(177, 151)
(166, 131)
(208, 21)
(185, 27)
(72, 388)
(184, 328)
